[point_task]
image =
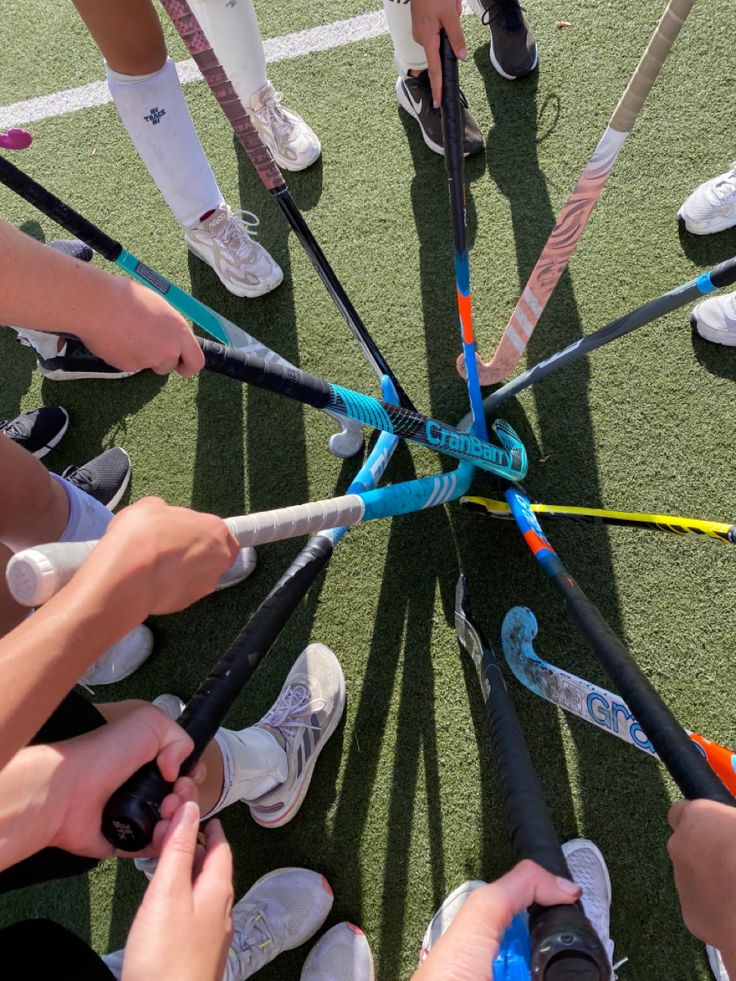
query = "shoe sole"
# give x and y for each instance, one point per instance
(722, 337)
(60, 375)
(296, 803)
(502, 73)
(289, 165)
(695, 228)
(40, 453)
(247, 292)
(407, 105)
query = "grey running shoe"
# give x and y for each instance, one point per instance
(342, 954)
(170, 705)
(446, 914)
(75, 362)
(293, 144)
(281, 911)
(120, 660)
(241, 568)
(588, 869)
(105, 478)
(415, 96)
(226, 242)
(304, 716)
(513, 47)
(39, 430)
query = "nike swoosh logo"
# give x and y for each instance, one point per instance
(417, 103)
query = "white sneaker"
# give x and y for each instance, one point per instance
(120, 660)
(225, 242)
(715, 319)
(342, 954)
(304, 716)
(241, 568)
(716, 963)
(293, 144)
(281, 911)
(588, 869)
(712, 206)
(446, 914)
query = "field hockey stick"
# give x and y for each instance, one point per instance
(601, 516)
(577, 210)
(587, 701)
(343, 444)
(195, 39)
(36, 574)
(685, 764)
(132, 812)
(15, 139)
(452, 133)
(563, 943)
(724, 274)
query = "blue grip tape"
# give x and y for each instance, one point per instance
(705, 283)
(513, 961)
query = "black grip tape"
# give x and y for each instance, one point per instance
(724, 274)
(53, 208)
(679, 754)
(452, 134)
(281, 378)
(131, 814)
(565, 946)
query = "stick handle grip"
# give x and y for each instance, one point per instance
(452, 130)
(649, 67)
(52, 207)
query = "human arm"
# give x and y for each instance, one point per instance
(428, 18)
(152, 559)
(184, 920)
(703, 853)
(466, 950)
(119, 320)
(53, 795)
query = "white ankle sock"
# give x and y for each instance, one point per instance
(253, 763)
(408, 55)
(88, 519)
(232, 30)
(154, 112)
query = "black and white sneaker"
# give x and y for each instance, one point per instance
(38, 431)
(75, 361)
(415, 95)
(513, 47)
(105, 478)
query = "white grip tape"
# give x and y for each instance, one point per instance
(302, 519)
(36, 574)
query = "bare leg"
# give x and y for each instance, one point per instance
(34, 508)
(11, 613)
(127, 33)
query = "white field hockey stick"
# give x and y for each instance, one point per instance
(587, 701)
(577, 210)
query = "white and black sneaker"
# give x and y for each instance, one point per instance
(513, 48)
(105, 478)
(415, 96)
(74, 362)
(39, 430)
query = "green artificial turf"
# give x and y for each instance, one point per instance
(404, 804)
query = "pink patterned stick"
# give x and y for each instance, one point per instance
(199, 47)
(15, 139)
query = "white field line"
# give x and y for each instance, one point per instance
(335, 35)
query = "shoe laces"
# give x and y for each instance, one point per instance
(288, 714)
(509, 10)
(79, 476)
(236, 233)
(252, 937)
(12, 429)
(274, 114)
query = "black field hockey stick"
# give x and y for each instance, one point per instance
(343, 444)
(188, 29)
(564, 946)
(687, 767)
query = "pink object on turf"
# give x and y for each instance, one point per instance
(15, 139)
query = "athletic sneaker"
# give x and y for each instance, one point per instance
(588, 869)
(513, 47)
(105, 478)
(241, 568)
(170, 705)
(302, 719)
(39, 430)
(120, 660)
(226, 243)
(74, 362)
(293, 144)
(342, 954)
(715, 961)
(446, 914)
(415, 96)
(281, 911)
(715, 319)
(712, 205)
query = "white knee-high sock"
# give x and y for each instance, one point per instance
(88, 519)
(232, 30)
(408, 55)
(154, 112)
(253, 763)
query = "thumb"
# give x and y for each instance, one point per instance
(529, 883)
(173, 874)
(677, 813)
